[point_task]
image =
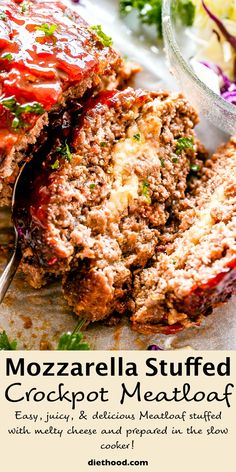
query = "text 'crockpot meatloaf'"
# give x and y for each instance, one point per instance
(48, 56)
(98, 202)
(198, 271)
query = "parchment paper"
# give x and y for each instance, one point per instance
(38, 317)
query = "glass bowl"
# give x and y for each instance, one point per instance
(217, 110)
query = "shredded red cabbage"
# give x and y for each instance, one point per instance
(154, 347)
(230, 95)
(227, 86)
(230, 38)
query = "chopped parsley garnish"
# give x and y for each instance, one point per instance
(47, 29)
(183, 143)
(6, 344)
(9, 103)
(16, 122)
(7, 57)
(149, 12)
(25, 7)
(72, 341)
(103, 144)
(162, 161)
(17, 109)
(137, 137)
(56, 165)
(65, 151)
(67, 342)
(175, 160)
(185, 10)
(3, 16)
(105, 40)
(195, 167)
(92, 186)
(34, 107)
(145, 191)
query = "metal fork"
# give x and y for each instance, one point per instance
(11, 267)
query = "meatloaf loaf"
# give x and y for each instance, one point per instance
(48, 56)
(197, 271)
(98, 202)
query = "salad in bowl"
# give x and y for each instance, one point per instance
(200, 41)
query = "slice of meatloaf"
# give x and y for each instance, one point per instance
(48, 56)
(97, 204)
(198, 271)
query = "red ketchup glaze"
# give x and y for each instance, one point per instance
(31, 208)
(215, 281)
(111, 99)
(44, 50)
(31, 205)
(171, 329)
(41, 193)
(31, 212)
(216, 290)
(39, 200)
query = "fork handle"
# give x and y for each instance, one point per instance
(9, 272)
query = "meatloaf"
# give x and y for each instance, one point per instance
(198, 271)
(96, 205)
(48, 56)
